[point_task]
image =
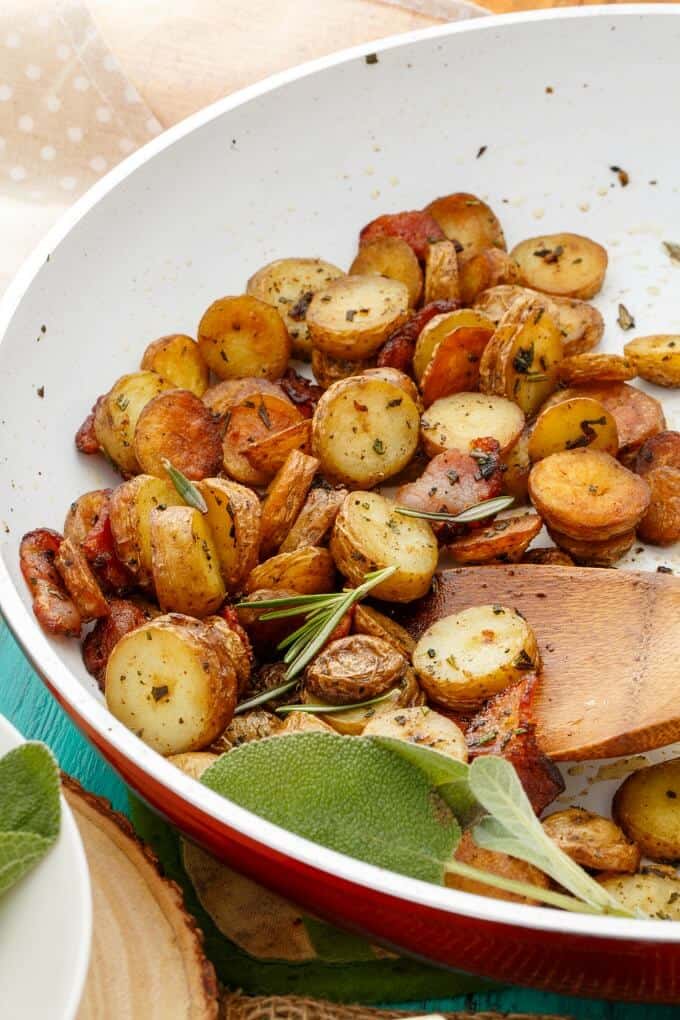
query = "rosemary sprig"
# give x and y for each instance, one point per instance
(329, 709)
(185, 488)
(487, 508)
(322, 615)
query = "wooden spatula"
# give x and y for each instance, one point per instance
(610, 642)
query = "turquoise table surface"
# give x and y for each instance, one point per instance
(28, 705)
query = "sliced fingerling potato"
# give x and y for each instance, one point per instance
(353, 316)
(441, 273)
(489, 268)
(327, 369)
(224, 395)
(581, 325)
(661, 523)
(656, 358)
(394, 258)
(231, 650)
(185, 563)
(647, 807)
(595, 368)
(454, 366)
(233, 518)
(307, 571)
(116, 416)
(315, 519)
(458, 421)
(255, 418)
(354, 668)
(417, 228)
(517, 465)
(84, 513)
(242, 336)
(438, 328)
(364, 431)
(599, 553)
(464, 659)
(166, 683)
(177, 358)
(587, 494)
(396, 377)
(550, 556)
(352, 721)
(285, 498)
(265, 635)
(467, 221)
(571, 425)
(267, 455)
(80, 582)
(654, 893)
(503, 541)
(368, 620)
(130, 516)
(661, 450)
(567, 265)
(638, 416)
(422, 726)
(193, 763)
(289, 285)
(495, 863)
(177, 426)
(369, 534)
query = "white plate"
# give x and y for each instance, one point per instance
(46, 926)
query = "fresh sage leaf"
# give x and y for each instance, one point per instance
(448, 776)
(19, 851)
(186, 489)
(29, 809)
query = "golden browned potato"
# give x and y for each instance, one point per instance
(116, 416)
(656, 358)
(224, 395)
(647, 807)
(465, 658)
(489, 268)
(441, 272)
(130, 515)
(257, 724)
(420, 725)
(193, 763)
(581, 325)
(80, 582)
(368, 535)
(84, 513)
(285, 498)
(315, 519)
(328, 369)
(308, 571)
(587, 494)
(397, 378)
(303, 722)
(468, 222)
(661, 523)
(602, 553)
(234, 521)
(231, 649)
(177, 358)
(394, 258)
(353, 669)
(567, 265)
(497, 863)
(661, 450)
(364, 431)
(654, 892)
(352, 721)
(548, 557)
(503, 541)
(572, 425)
(266, 634)
(177, 426)
(166, 683)
(184, 561)
(517, 467)
(637, 415)
(595, 368)
(269, 454)
(242, 336)
(459, 421)
(592, 841)
(438, 329)
(368, 620)
(257, 417)
(454, 366)
(289, 285)
(354, 315)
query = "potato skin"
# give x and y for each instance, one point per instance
(498, 864)
(116, 417)
(656, 359)
(592, 841)
(233, 518)
(225, 394)
(285, 498)
(505, 540)
(177, 358)
(178, 426)
(368, 620)
(662, 450)
(242, 336)
(315, 519)
(80, 582)
(594, 553)
(308, 571)
(193, 763)
(638, 415)
(422, 726)
(489, 268)
(254, 418)
(467, 221)
(185, 563)
(652, 890)
(441, 273)
(581, 325)
(647, 807)
(352, 721)
(566, 265)
(594, 368)
(258, 724)
(438, 328)
(661, 523)
(328, 369)
(454, 366)
(354, 669)
(391, 257)
(266, 634)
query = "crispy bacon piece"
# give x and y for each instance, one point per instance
(80, 582)
(54, 609)
(418, 229)
(123, 617)
(398, 349)
(86, 440)
(505, 727)
(304, 393)
(100, 552)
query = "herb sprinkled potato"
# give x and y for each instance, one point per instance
(328, 369)
(233, 518)
(581, 325)
(116, 416)
(406, 693)
(653, 891)
(84, 513)
(604, 552)
(256, 417)
(422, 726)
(130, 515)
(185, 562)
(177, 426)
(285, 498)
(241, 336)
(368, 620)
(364, 431)
(505, 540)
(391, 257)
(594, 368)
(463, 659)
(353, 669)
(572, 425)
(458, 421)
(438, 328)
(647, 807)
(454, 366)
(638, 415)
(567, 265)
(441, 272)
(315, 519)
(656, 358)
(178, 359)
(308, 571)
(592, 841)
(489, 268)
(661, 523)
(353, 316)
(468, 222)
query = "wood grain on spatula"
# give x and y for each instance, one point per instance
(610, 642)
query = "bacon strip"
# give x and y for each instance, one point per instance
(86, 440)
(303, 393)
(54, 609)
(123, 617)
(399, 348)
(100, 551)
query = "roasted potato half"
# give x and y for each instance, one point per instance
(661, 523)
(517, 467)
(652, 891)
(84, 513)
(352, 721)
(656, 358)
(354, 668)
(422, 726)
(307, 571)
(497, 863)
(315, 519)
(391, 257)
(441, 272)
(266, 634)
(638, 416)
(594, 368)
(269, 454)
(567, 265)
(368, 535)
(80, 582)
(224, 395)
(166, 683)
(454, 366)
(397, 378)
(130, 515)
(438, 328)
(353, 316)
(289, 285)
(592, 841)
(285, 498)
(177, 426)
(549, 556)
(587, 494)
(368, 620)
(647, 807)
(185, 562)
(588, 553)
(489, 268)
(177, 358)
(242, 336)
(417, 228)
(116, 416)
(257, 724)
(328, 369)
(364, 431)
(233, 519)
(467, 221)
(572, 425)
(193, 763)
(581, 325)
(505, 540)
(458, 421)
(231, 649)
(662, 450)
(304, 722)
(257, 417)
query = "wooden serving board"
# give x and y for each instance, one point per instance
(610, 642)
